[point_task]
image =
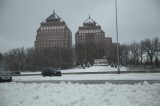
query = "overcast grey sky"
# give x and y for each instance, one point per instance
(19, 19)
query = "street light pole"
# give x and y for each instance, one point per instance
(118, 69)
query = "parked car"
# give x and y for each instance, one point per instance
(15, 72)
(5, 76)
(51, 72)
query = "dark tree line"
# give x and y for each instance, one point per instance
(57, 57)
(88, 52)
(1, 57)
(143, 52)
(31, 59)
(14, 58)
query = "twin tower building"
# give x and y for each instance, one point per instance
(54, 32)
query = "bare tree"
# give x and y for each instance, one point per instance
(29, 59)
(151, 46)
(88, 52)
(15, 59)
(124, 54)
(134, 52)
(111, 53)
(53, 57)
(1, 57)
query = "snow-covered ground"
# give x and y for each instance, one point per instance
(130, 76)
(90, 69)
(95, 69)
(68, 94)
(28, 72)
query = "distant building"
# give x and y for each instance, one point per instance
(53, 32)
(107, 41)
(100, 61)
(91, 32)
(91, 43)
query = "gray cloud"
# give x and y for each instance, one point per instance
(19, 19)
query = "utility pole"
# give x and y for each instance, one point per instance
(118, 69)
(60, 64)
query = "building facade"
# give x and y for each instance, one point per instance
(53, 32)
(90, 32)
(91, 42)
(107, 41)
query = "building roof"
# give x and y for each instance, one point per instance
(89, 22)
(53, 17)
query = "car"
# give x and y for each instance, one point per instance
(5, 76)
(51, 72)
(15, 72)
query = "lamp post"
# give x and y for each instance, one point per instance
(60, 63)
(118, 69)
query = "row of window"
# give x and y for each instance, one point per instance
(83, 36)
(80, 39)
(52, 27)
(50, 46)
(51, 30)
(91, 34)
(91, 38)
(52, 42)
(51, 37)
(90, 31)
(84, 41)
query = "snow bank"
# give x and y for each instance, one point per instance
(67, 94)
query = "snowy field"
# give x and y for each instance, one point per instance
(67, 94)
(90, 69)
(95, 69)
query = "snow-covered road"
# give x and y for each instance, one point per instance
(68, 94)
(91, 81)
(130, 76)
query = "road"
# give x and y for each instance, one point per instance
(92, 81)
(107, 72)
(67, 77)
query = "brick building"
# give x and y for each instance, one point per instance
(107, 41)
(90, 32)
(53, 32)
(91, 42)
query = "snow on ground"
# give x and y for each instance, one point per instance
(27, 72)
(95, 69)
(68, 94)
(130, 76)
(90, 69)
